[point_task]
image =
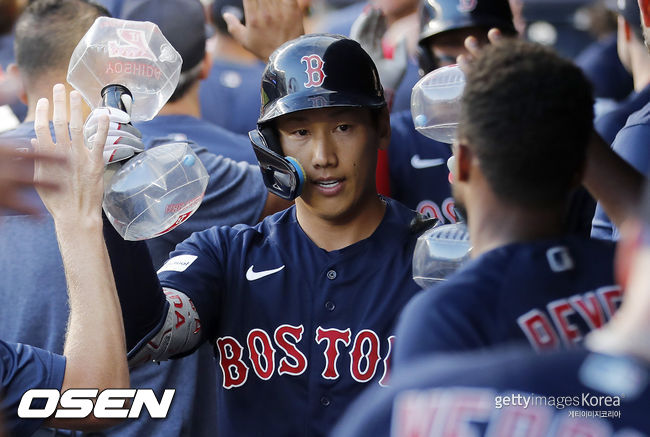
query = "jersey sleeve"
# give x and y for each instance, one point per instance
(440, 319)
(22, 368)
(631, 144)
(198, 268)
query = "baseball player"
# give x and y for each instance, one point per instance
(630, 142)
(299, 308)
(418, 171)
(234, 76)
(529, 280)
(95, 322)
(602, 390)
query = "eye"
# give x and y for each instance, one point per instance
(343, 127)
(300, 132)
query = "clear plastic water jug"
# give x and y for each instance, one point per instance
(155, 191)
(435, 103)
(132, 54)
(439, 252)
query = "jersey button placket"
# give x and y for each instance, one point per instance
(330, 306)
(325, 401)
(331, 274)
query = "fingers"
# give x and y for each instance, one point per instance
(60, 115)
(100, 138)
(235, 28)
(42, 126)
(495, 36)
(76, 120)
(472, 45)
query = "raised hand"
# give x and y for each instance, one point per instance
(80, 191)
(269, 24)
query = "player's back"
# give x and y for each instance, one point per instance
(508, 393)
(548, 292)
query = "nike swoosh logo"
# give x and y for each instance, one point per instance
(416, 162)
(253, 276)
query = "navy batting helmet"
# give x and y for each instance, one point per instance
(440, 16)
(311, 72)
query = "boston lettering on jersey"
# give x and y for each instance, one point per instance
(364, 351)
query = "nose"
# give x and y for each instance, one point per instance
(324, 152)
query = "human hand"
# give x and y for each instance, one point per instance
(123, 139)
(269, 24)
(80, 191)
(17, 173)
(473, 47)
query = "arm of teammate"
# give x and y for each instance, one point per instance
(95, 344)
(269, 24)
(612, 181)
(144, 305)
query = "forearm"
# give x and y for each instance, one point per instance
(95, 343)
(612, 181)
(143, 303)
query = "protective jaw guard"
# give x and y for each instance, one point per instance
(283, 176)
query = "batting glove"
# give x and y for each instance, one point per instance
(123, 139)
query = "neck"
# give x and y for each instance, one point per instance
(188, 104)
(334, 234)
(225, 47)
(492, 223)
(640, 67)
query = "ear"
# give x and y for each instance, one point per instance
(463, 162)
(644, 5)
(626, 250)
(14, 73)
(206, 66)
(383, 129)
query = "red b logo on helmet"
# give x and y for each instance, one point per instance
(315, 73)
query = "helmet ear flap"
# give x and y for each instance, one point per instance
(426, 61)
(282, 176)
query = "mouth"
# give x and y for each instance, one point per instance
(329, 186)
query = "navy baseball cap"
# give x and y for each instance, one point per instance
(629, 9)
(181, 21)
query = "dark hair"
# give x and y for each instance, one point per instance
(527, 115)
(48, 31)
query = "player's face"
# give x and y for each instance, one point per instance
(337, 148)
(448, 46)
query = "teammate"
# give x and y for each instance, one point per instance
(33, 280)
(631, 141)
(602, 390)
(234, 76)
(300, 307)
(418, 171)
(95, 330)
(236, 193)
(634, 57)
(528, 280)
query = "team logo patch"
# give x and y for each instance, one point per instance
(314, 70)
(178, 263)
(134, 45)
(467, 5)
